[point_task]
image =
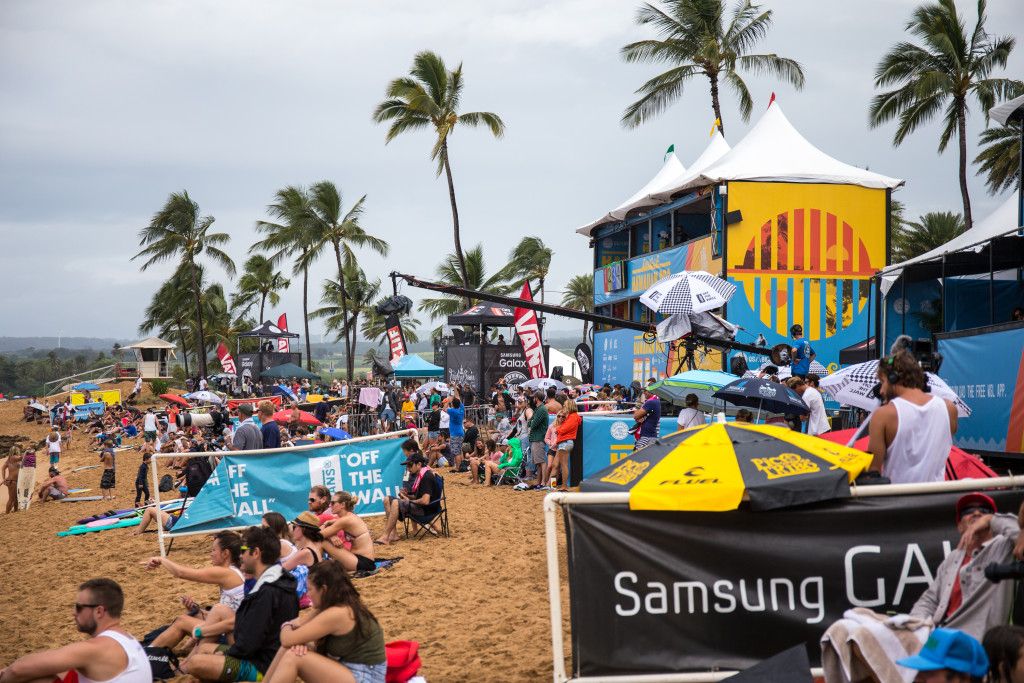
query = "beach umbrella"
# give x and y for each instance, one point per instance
(688, 292)
(853, 386)
(304, 417)
(36, 405)
(763, 394)
(335, 433)
(205, 397)
(542, 384)
(86, 386)
(715, 467)
(175, 398)
(703, 383)
(430, 386)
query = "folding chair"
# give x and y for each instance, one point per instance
(436, 510)
(512, 469)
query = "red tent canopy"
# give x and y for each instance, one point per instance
(961, 464)
(305, 418)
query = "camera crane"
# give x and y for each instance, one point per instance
(691, 342)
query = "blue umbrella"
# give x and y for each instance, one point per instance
(86, 386)
(335, 433)
(763, 395)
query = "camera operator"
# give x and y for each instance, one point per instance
(961, 597)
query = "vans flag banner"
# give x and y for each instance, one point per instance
(529, 335)
(666, 592)
(282, 342)
(227, 363)
(248, 484)
(396, 340)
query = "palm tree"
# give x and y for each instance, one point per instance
(941, 75)
(342, 307)
(695, 41)
(180, 232)
(168, 311)
(999, 159)
(579, 296)
(224, 324)
(292, 237)
(447, 272)
(258, 284)
(332, 226)
(932, 230)
(529, 260)
(429, 97)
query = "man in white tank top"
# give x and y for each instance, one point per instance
(109, 655)
(911, 434)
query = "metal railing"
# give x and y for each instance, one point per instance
(64, 383)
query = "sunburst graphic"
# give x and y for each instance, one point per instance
(805, 266)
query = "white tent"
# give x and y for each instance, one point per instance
(1000, 222)
(672, 171)
(773, 150)
(715, 150)
(568, 364)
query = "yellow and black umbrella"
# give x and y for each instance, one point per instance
(715, 467)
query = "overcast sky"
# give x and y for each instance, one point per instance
(106, 107)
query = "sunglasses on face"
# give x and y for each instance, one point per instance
(976, 508)
(80, 606)
(312, 500)
(244, 549)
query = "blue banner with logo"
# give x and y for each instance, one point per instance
(247, 485)
(608, 439)
(986, 369)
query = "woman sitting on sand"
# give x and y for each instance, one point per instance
(225, 557)
(10, 470)
(338, 640)
(276, 522)
(309, 551)
(353, 529)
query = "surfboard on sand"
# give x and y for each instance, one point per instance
(80, 499)
(120, 524)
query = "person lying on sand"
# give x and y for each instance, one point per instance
(353, 529)
(224, 572)
(109, 654)
(167, 519)
(54, 488)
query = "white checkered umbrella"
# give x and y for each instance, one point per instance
(542, 384)
(852, 386)
(688, 292)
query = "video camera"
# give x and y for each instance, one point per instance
(996, 572)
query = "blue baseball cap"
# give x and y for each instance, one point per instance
(949, 649)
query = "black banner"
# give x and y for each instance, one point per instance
(462, 366)
(585, 359)
(661, 592)
(252, 364)
(504, 362)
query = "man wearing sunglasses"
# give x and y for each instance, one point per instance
(109, 655)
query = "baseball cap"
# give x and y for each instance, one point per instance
(949, 649)
(415, 458)
(245, 408)
(974, 500)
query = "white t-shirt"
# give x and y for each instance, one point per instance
(919, 451)
(138, 384)
(53, 446)
(690, 417)
(817, 422)
(202, 384)
(445, 420)
(149, 422)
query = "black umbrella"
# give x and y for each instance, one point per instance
(763, 395)
(789, 666)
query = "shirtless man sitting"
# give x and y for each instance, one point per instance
(109, 654)
(54, 488)
(349, 525)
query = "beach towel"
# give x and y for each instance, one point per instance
(879, 639)
(382, 564)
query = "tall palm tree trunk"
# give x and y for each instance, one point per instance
(344, 312)
(455, 218)
(305, 317)
(962, 133)
(184, 347)
(263, 303)
(201, 342)
(351, 360)
(715, 105)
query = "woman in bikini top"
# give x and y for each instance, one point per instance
(360, 556)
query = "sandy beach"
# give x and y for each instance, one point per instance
(476, 602)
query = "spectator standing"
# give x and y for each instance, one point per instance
(817, 422)
(552, 404)
(149, 424)
(248, 436)
(802, 352)
(108, 480)
(691, 415)
(269, 604)
(537, 427)
(649, 417)
(270, 431)
(566, 435)
(110, 654)
(27, 479)
(457, 431)
(11, 468)
(53, 447)
(142, 479)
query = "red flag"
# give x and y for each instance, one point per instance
(529, 336)
(282, 342)
(772, 99)
(226, 361)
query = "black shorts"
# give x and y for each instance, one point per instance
(407, 508)
(364, 564)
(107, 481)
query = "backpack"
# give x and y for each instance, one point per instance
(166, 483)
(163, 663)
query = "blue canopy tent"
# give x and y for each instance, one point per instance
(411, 365)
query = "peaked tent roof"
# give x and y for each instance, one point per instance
(998, 223)
(484, 314)
(286, 370)
(268, 329)
(411, 365)
(774, 150)
(715, 150)
(151, 343)
(672, 171)
(1011, 110)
